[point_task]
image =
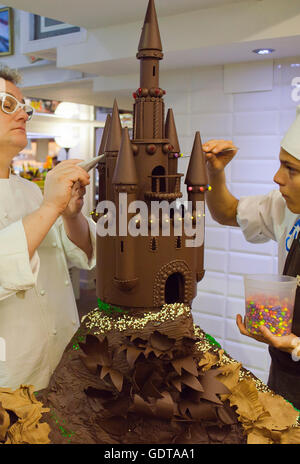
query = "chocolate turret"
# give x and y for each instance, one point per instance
(144, 265)
(196, 173)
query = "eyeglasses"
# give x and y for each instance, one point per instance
(9, 105)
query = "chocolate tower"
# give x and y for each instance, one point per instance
(149, 270)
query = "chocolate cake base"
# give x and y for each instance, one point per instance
(156, 378)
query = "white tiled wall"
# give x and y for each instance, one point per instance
(256, 122)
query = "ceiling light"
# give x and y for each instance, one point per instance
(263, 51)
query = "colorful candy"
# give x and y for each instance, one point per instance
(274, 313)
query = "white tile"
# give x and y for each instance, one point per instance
(253, 171)
(206, 101)
(216, 238)
(212, 125)
(178, 101)
(213, 282)
(243, 263)
(244, 189)
(234, 306)
(214, 326)
(287, 117)
(258, 147)
(257, 101)
(209, 77)
(206, 303)
(216, 260)
(237, 242)
(251, 356)
(235, 287)
(256, 123)
(248, 76)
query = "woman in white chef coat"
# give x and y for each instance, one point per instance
(273, 216)
(40, 237)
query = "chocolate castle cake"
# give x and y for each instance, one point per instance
(138, 370)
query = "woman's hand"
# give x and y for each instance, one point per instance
(218, 154)
(284, 343)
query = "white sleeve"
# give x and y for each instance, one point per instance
(261, 217)
(17, 271)
(75, 256)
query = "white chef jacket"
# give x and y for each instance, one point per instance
(265, 217)
(38, 313)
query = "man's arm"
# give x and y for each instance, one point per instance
(57, 195)
(78, 231)
(221, 203)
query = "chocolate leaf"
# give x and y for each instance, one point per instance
(187, 363)
(149, 390)
(132, 354)
(227, 415)
(191, 381)
(91, 346)
(104, 371)
(161, 342)
(199, 411)
(116, 378)
(140, 406)
(90, 363)
(212, 386)
(165, 406)
(176, 383)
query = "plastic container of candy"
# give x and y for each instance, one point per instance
(269, 301)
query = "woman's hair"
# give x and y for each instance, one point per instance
(11, 75)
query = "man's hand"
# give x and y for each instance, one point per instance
(76, 202)
(218, 154)
(284, 343)
(65, 187)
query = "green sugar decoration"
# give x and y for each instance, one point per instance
(212, 341)
(65, 433)
(109, 309)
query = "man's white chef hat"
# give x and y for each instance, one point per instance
(291, 140)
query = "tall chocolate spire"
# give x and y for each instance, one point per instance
(125, 170)
(196, 173)
(171, 132)
(115, 131)
(150, 38)
(104, 135)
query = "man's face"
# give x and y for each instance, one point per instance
(288, 179)
(13, 126)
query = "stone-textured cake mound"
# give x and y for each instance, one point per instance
(156, 378)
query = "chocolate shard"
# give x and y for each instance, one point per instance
(132, 354)
(187, 363)
(212, 386)
(191, 381)
(196, 174)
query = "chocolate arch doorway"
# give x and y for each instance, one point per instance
(174, 288)
(173, 284)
